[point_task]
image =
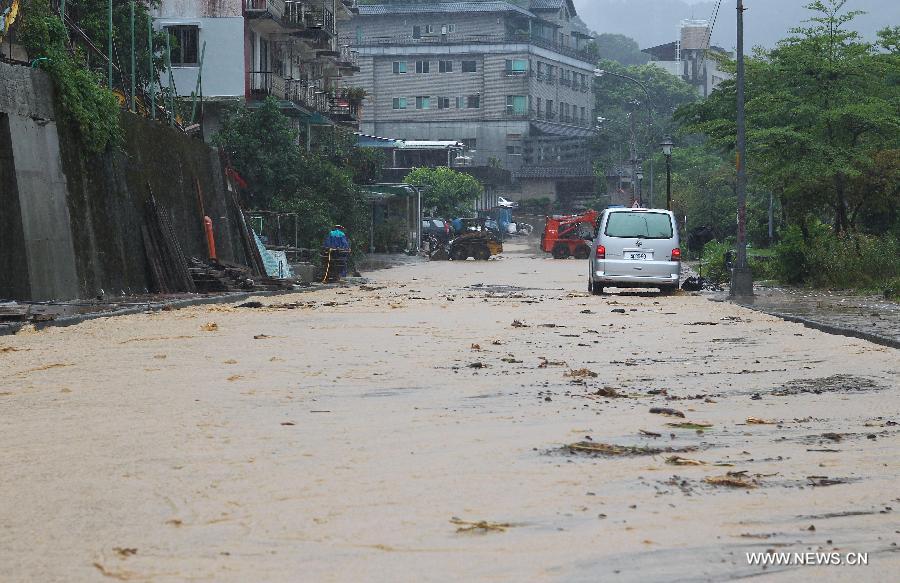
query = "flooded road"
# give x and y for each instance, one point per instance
(447, 421)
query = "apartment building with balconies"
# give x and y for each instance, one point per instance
(247, 50)
(510, 79)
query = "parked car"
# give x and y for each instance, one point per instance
(437, 227)
(506, 203)
(635, 248)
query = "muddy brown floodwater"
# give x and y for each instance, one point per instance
(446, 421)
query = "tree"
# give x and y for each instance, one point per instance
(447, 193)
(620, 48)
(821, 107)
(622, 105)
(317, 185)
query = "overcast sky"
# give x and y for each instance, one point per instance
(653, 22)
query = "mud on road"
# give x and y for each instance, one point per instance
(446, 421)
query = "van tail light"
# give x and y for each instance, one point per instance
(676, 254)
(601, 252)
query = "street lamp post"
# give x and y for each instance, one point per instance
(667, 146)
(640, 186)
(600, 73)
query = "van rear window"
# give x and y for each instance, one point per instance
(639, 225)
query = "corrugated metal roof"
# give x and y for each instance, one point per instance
(441, 7)
(547, 4)
(579, 171)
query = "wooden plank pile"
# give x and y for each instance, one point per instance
(168, 265)
(211, 277)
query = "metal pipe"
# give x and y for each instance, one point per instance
(109, 44)
(133, 108)
(152, 71)
(171, 98)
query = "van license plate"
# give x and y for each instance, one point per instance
(640, 256)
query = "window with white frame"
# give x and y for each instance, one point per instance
(423, 66)
(399, 103)
(399, 67)
(423, 102)
(445, 66)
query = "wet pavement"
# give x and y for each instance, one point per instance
(870, 317)
(446, 421)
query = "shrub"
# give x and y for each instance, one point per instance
(713, 261)
(845, 261)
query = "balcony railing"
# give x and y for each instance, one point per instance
(261, 7)
(513, 113)
(319, 16)
(349, 57)
(438, 39)
(509, 73)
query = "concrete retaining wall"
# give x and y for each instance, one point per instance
(70, 223)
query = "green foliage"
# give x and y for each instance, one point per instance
(447, 193)
(317, 185)
(81, 99)
(620, 48)
(824, 258)
(623, 106)
(713, 261)
(822, 108)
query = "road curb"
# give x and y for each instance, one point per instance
(829, 328)
(10, 329)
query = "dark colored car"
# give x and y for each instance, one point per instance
(439, 228)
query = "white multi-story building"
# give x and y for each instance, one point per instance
(691, 57)
(510, 79)
(287, 49)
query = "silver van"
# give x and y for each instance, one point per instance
(635, 248)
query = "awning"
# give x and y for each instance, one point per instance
(553, 129)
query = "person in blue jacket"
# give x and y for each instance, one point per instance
(337, 239)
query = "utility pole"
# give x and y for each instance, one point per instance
(741, 276)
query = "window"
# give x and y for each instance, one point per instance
(549, 109)
(473, 101)
(451, 28)
(469, 67)
(540, 68)
(469, 143)
(583, 116)
(423, 102)
(514, 150)
(399, 103)
(423, 66)
(429, 29)
(539, 103)
(417, 32)
(515, 104)
(184, 46)
(445, 66)
(516, 66)
(642, 225)
(399, 67)
(443, 103)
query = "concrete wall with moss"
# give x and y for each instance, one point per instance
(103, 201)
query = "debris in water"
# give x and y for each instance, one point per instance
(250, 305)
(690, 425)
(124, 552)
(666, 411)
(649, 433)
(261, 336)
(545, 363)
(832, 436)
(732, 480)
(476, 347)
(610, 392)
(758, 421)
(209, 327)
(480, 526)
(677, 460)
(824, 481)
(581, 373)
(519, 324)
(478, 365)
